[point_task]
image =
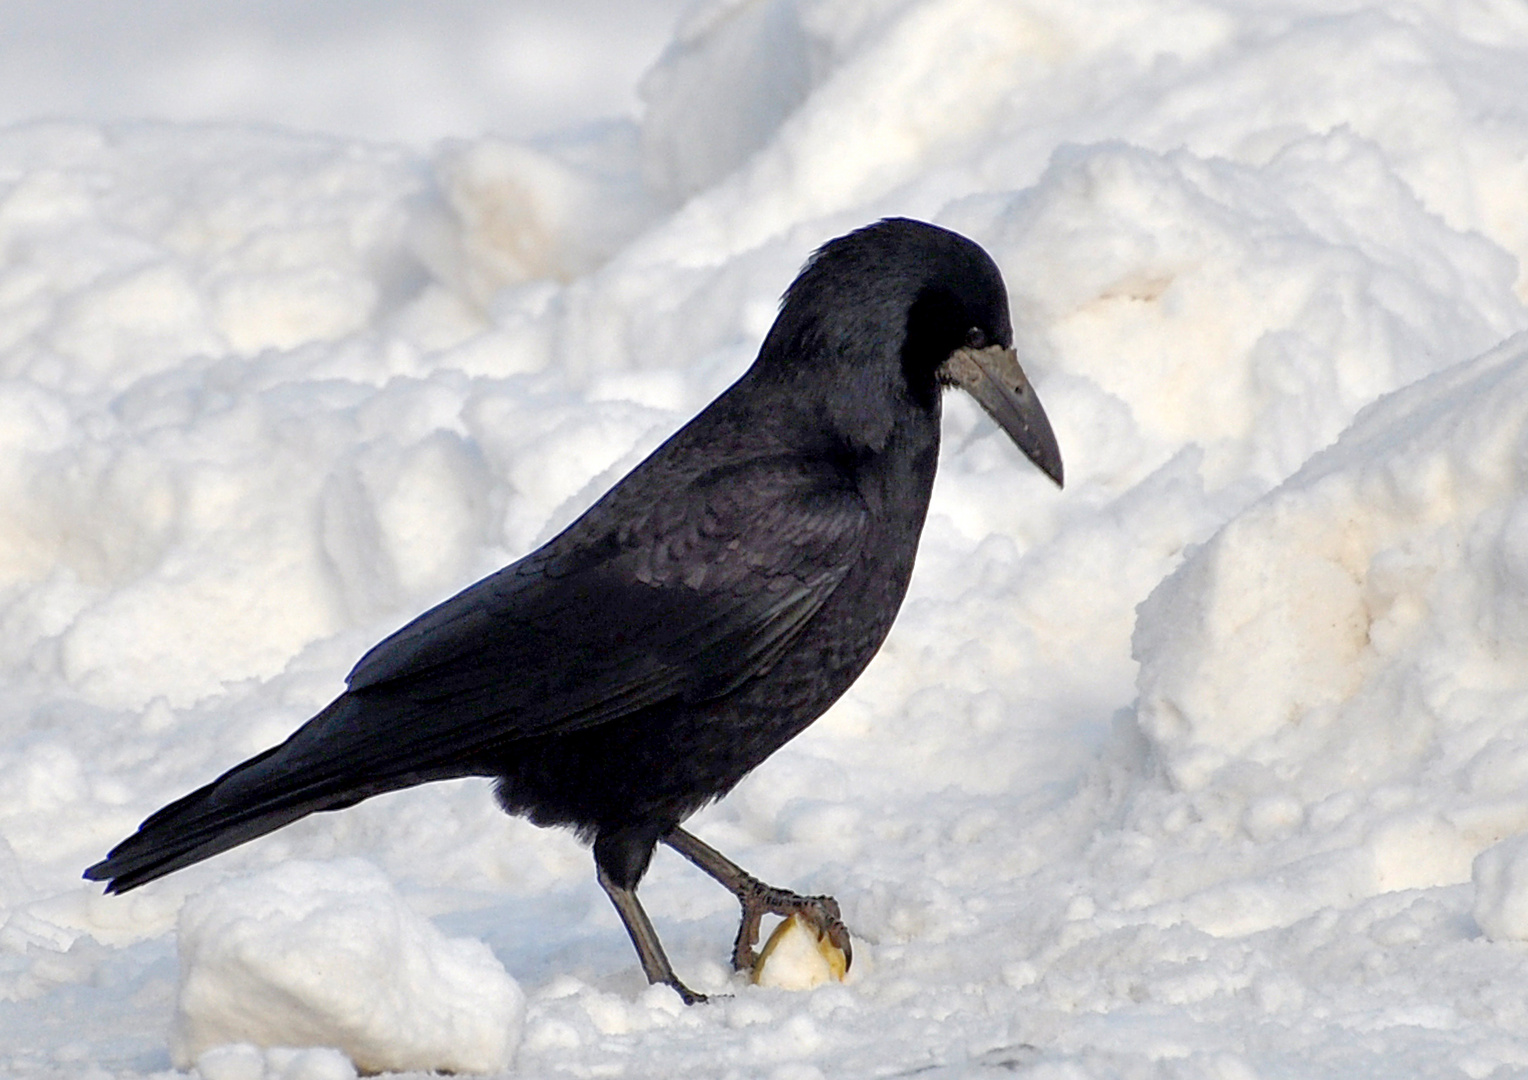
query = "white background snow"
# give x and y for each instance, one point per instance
(1214, 765)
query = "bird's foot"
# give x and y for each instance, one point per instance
(686, 995)
(821, 913)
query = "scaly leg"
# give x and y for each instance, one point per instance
(655, 962)
(758, 899)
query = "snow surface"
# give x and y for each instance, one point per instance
(1213, 765)
(390, 70)
(278, 958)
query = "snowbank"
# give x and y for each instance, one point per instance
(329, 955)
(1500, 877)
(1338, 674)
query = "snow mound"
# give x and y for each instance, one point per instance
(1500, 876)
(243, 1061)
(329, 955)
(1341, 672)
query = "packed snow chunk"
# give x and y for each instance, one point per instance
(329, 955)
(1501, 890)
(1354, 646)
(505, 213)
(243, 1061)
(721, 90)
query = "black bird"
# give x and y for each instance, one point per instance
(702, 613)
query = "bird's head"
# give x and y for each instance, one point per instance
(892, 313)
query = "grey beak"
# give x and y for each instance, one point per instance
(993, 377)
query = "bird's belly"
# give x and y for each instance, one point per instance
(659, 765)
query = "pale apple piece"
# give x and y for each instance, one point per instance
(798, 957)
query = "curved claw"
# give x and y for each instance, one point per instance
(820, 912)
(758, 899)
(686, 995)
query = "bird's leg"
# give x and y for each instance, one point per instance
(655, 962)
(759, 899)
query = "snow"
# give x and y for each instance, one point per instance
(278, 958)
(1212, 765)
(245, 1061)
(387, 70)
(1500, 877)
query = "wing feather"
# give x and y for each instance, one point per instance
(686, 599)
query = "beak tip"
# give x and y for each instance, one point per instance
(1048, 461)
(993, 376)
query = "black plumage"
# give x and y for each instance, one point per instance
(703, 612)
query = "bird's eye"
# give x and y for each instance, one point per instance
(976, 338)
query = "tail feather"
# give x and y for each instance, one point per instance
(206, 823)
(258, 796)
